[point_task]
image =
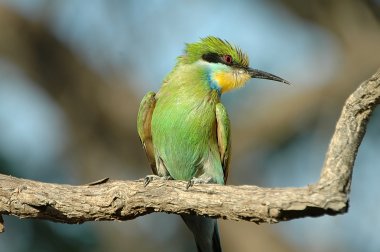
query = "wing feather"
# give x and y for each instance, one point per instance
(223, 136)
(144, 119)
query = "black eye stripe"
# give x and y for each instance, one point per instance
(216, 58)
(212, 58)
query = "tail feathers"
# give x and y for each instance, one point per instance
(205, 231)
(215, 239)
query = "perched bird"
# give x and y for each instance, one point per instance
(185, 129)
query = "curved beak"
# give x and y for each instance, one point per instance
(258, 74)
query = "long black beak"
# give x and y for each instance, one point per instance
(258, 74)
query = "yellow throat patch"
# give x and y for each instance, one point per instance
(231, 80)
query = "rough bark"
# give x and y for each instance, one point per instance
(123, 200)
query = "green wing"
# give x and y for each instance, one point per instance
(223, 135)
(144, 119)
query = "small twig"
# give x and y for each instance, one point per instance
(98, 182)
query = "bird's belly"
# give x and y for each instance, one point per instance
(183, 136)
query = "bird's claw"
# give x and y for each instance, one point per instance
(202, 180)
(189, 184)
(150, 178)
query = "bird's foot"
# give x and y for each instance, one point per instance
(150, 178)
(199, 180)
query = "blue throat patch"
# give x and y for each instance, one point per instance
(213, 84)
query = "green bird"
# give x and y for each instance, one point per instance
(184, 127)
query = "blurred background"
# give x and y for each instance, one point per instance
(72, 74)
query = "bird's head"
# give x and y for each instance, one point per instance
(226, 65)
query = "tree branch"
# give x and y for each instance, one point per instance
(123, 200)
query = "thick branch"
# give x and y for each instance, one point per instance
(349, 132)
(122, 200)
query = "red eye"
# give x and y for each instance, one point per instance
(227, 59)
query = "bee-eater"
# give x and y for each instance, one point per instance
(185, 129)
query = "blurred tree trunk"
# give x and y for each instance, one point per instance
(101, 115)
